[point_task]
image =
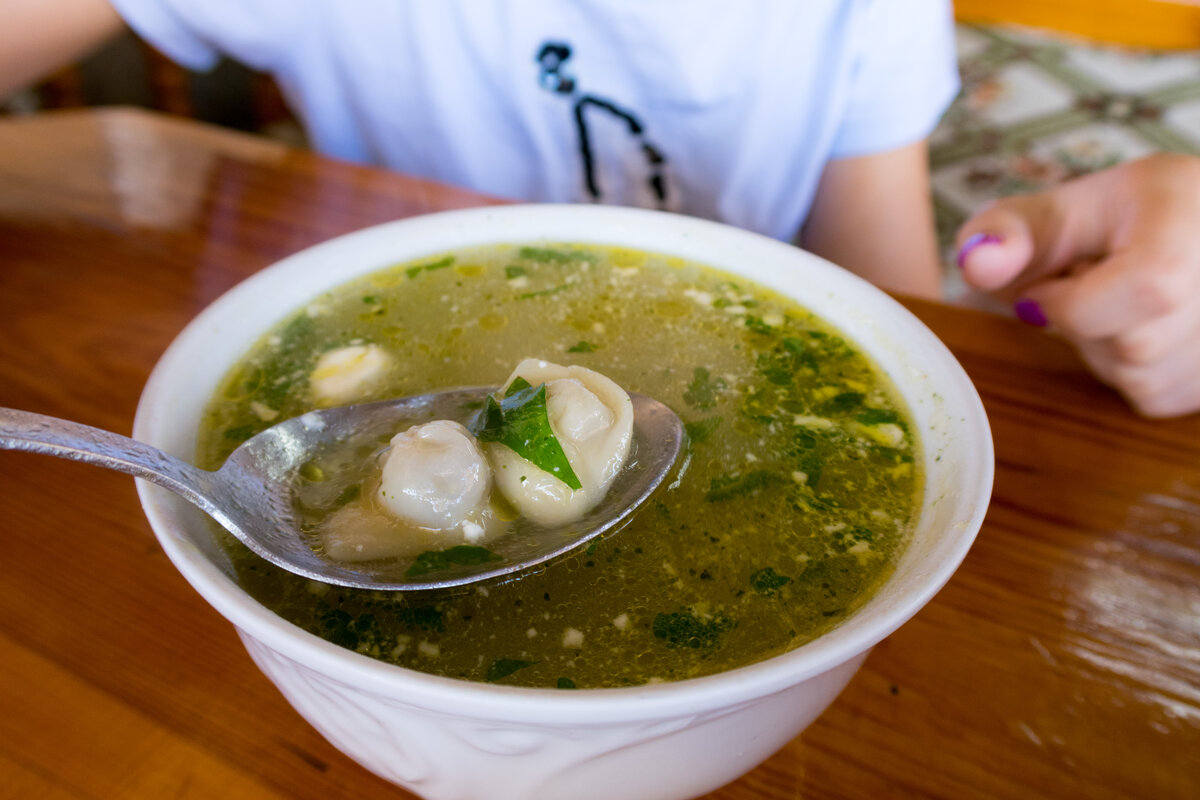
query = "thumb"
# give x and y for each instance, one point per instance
(996, 246)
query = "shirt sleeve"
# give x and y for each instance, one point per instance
(197, 34)
(904, 77)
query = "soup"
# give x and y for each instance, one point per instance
(800, 485)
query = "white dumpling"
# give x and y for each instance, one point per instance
(348, 374)
(359, 531)
(356, 532)
(435, 476)
(592, 417)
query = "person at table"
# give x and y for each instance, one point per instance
(803, 121)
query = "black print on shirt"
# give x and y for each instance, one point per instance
(552, 57)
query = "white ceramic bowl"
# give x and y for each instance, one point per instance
(451, 740)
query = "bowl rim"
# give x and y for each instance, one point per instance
(746, 684)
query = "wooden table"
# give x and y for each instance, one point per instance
(1062, 661)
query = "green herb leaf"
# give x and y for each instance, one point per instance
(842, 403)
(514, 271)
(686, 629)
(336, 625)
(702, 429)
(758, 325)
(847, 538)
(462, 555)
(521, 423)
(562, 287)
(877, 416)
(347, 495)
(724, 488)
(767, 581)
(441, 263)
(503, 667)
(703, 390)
(242, 432)
(424, 617)
(582, 347)
(776, 374)
(812, 465)
(546, 255)
(566, 683)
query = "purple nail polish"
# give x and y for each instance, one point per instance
(973, 241)
(1030, 312)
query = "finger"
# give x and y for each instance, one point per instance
(1183, 397)
(995, 246)
(1118, 294)
(1155, 340)
(1167, 388)
(1048, 232)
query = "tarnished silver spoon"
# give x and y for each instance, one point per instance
(252, 494)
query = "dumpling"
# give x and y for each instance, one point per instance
(435, 476)
(592, 418)
(348, 374)
(357, 532)
(434, 490)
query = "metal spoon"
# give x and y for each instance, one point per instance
(251, 495)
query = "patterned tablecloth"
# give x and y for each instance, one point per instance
(1037, 108)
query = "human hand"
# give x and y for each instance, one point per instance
(1112, 262)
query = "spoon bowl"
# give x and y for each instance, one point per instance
(252, 494)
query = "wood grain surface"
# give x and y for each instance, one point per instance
(1061, 661)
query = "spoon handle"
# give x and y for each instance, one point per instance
(38, 433)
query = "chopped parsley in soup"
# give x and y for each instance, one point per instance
(800, 485)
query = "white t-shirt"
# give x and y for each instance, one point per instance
(725, 110)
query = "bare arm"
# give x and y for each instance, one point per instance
(873, 215)
(43, 35)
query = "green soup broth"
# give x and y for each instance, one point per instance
(802, 485)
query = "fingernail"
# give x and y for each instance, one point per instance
(1030, 312)
(973, 241)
